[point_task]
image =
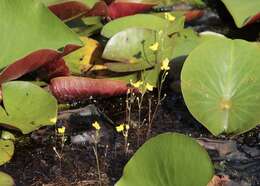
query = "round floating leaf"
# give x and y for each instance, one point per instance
(27, 106)
(221, 82)
(6, 151)
(169, 159)
(6, 180)
(141, 21)
(132, 47)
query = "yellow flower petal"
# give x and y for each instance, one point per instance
(169, 16)
(165, 64)
(127, 127)
(53, 120)
(154, 47)
(160, 32)
(136, 84)
(61, 130)
(96, 125)
(120, 128)
(149, 87)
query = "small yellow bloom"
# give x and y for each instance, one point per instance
(160, 32)
(53, 120)
(136, 84)
(169, 16)
(154, 47)
(96, 125)
(61, 130)
(149, 87)
(165, 64)
(127, 127)
(120, 128)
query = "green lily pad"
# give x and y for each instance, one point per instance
(242, 10)
(131, 46)
(29, 30)
(220, 83)
(169, 159)
(6, 151)
(6, 180)
(27, 107)
(147, 21)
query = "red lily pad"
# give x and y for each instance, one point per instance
(69, 9)
(254, 19)
(53, 69)
(28, 64)
(36, 60)
(73, 88)
(193, 14)
(99, 9)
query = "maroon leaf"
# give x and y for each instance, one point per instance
(58, 67)
(254, 19)
(121, 9)
(193, 14)
(99, 9)
(28, 64)
(74, 88)
(32, 62)
(69, 9)
(53, 69)
(73, 9)
(69, 48)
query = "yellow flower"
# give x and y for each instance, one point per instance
(96, 125)
(154, 47)
(165, 64)
(149, 87)
(53, 120)
(127, 127)
(61, 130)
(160, 32)
(169, 16)
(120, 128)
(136, 84)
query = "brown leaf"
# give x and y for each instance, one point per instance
(69, 9)
(32, 62)
(74, 88)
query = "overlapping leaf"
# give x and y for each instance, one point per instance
(243, 11)
(147, 21)
(85, 58)
(25, 38)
